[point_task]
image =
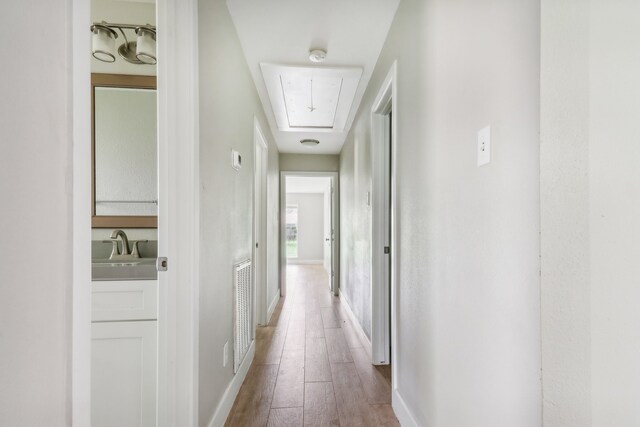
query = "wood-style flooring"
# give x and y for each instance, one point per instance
(310, 368)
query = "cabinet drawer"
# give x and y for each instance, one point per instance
(124, 300)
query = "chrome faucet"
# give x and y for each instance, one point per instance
(115, 252)
(125, 253)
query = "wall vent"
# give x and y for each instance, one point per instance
(242, 313)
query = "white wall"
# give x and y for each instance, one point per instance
(310, 226)
(228, 104)
(309, 162)
(468, 273)
(590, 211)
(564, 193)
(35, 210)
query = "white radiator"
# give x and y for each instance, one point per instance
(242, 312)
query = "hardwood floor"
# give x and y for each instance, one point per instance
(310, 368)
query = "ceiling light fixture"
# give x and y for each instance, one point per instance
(309, 142)
(141, 52)
(317, 55)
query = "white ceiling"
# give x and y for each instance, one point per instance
(283, 31)
(307, 184)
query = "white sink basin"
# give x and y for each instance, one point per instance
(134, 269)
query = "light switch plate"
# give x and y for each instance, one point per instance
(225, 354)
(484, 146)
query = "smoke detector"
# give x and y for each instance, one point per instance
(317, 55)
(309, 142)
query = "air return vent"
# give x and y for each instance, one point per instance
(243, 301)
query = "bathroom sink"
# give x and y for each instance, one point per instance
(134, 269)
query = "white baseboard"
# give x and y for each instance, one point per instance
(229, 396)
(272, 306)
(295, 261)
(404, 415)
(366, 343)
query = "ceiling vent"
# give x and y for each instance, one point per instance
(311, 98)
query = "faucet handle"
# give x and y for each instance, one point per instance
(114, 249)
(134, 247)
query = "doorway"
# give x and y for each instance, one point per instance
(309, 231)
(177, 165)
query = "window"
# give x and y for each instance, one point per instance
(292, 231)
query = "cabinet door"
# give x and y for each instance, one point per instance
(123, 374)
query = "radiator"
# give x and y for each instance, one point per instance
(242, 312)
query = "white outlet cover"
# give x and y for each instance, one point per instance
(484, 146)
(236, 160)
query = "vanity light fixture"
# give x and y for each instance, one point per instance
(309, 142)
(142, 51)
(317, 55)
(103, 42)
(146, 49)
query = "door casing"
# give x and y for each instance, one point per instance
(384, 226)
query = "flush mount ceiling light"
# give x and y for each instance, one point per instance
(317, 55)
(309, 142)
(142, 51)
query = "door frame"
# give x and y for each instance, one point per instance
(178, 225)
(335, 250)
(260, 278)
(384, 216)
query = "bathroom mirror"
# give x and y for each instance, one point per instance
(124, 151)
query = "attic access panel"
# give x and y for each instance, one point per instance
(311, 98)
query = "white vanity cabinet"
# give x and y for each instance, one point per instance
(124, 353)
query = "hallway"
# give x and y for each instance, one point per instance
(310, 367)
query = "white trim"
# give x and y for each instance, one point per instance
(364, 339)
(228, 398)
(272, 307)
(260, 214)
(179, 220)
(381, 268)
(298, 261)
(403, 414)
(80, 83)
(335, 256)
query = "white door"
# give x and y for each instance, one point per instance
(123, 374)
(328, 231)
(259, 227)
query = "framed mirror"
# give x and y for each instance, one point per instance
(124, 171)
